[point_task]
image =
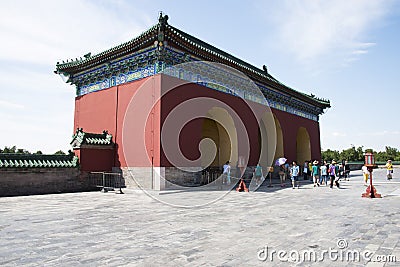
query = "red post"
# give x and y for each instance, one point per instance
(371, 190)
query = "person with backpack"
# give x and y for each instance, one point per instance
(333, 173)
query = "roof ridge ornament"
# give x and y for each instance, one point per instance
(160, 43)
(162, 21)
(265, 69)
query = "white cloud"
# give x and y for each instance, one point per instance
(359, 52)
(339, 134)
(36, 107)
(10, 105)
(380, 133)
(47, 31)
(311, 29)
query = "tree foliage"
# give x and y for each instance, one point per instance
(357, 154)
(14, 149)
(389, 153)
(353, 154)
(329, 155)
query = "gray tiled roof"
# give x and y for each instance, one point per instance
(83, 138)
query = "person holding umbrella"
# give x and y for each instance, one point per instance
(281, 163)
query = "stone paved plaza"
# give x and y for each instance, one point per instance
(134, 229)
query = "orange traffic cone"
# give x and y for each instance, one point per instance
(242, 187)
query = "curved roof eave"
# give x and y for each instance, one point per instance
(191, 44)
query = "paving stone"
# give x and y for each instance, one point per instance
(140, 229)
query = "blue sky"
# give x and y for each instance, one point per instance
(346, 51)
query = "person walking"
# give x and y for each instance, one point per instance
(227, 173)
(346, 170)
(340, 171)
(315, 173)
(324, 173)
(389, 167)
(258, 173)
(287, 169)
(282, 174)
(333, 174)
(365, 172)
(294, 173)
(305, 171)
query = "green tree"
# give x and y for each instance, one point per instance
(7, 149)
(370, 150)
(59, 152)
(329, 155)
(352, 154)
(391, 152)
(380, 156)
(22, 151)
(357, 154)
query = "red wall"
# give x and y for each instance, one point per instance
(95, 112)
(105, 110)
(96, 159)
(136, 126)
(290, 125)
(191, 134)
(138, 118)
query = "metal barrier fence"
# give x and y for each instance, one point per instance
(210, 174)
(107, 181)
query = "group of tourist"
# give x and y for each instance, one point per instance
(325, 173)
(321, 174)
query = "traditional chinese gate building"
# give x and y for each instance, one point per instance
(107, 83)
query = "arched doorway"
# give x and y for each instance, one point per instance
(220, 128)
(267, 140)
(219, 148)
(279, 150)
(303, 145)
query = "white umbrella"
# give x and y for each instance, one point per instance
(280, 161)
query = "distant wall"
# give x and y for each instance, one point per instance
(355, 166)
(34, 181)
